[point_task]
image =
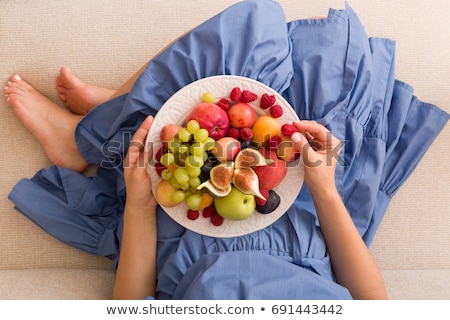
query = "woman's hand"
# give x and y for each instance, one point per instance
(352, 263)
(137, 180)
(136, 272)
(320, 152)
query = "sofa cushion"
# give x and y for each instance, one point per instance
(63, 284)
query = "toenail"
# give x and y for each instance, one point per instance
(17, 77)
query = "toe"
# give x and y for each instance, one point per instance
(15, 78)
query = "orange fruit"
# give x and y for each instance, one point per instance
(207, 200)
(264, 128)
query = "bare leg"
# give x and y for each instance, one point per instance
(52, 125)
(78, 96)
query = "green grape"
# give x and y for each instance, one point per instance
(166, 174)
(174, 183)
(185, 186)
(194, 202)
(187, 193)
(174, 145)
(192, 126)
(204, 156)
(184, 135)
(184, 148)
(167, 159)
(194, 182)
(201, 135)
(181, 176)
(197, 148)
(193, 161)
(178, 196)
(193, 171)
(209, 144)
(208, 97)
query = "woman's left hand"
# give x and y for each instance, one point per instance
(137, 180)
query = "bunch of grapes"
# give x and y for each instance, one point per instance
(183, 162)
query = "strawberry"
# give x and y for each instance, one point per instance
(235, 94)
(248, 96)
(288, 129)
(276, 111)
(267, 101)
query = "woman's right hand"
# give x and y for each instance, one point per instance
(319, 151)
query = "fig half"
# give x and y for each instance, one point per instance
(246, 180)
(213, 191)
(249, 157)
(221, 175)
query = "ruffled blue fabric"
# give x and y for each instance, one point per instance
(329, 71)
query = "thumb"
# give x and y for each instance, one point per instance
(308, 154)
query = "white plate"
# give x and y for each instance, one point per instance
(177, 108)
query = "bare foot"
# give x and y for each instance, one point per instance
(52, 125)
(78, 96)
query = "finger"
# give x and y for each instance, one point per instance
(142, 131)
(137, 143)
(307, 152)
(313, 129)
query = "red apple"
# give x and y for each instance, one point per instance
(286, 150)
(241, 115)
(226, 149)
(212, 118)
(270, 176)
(169, 131)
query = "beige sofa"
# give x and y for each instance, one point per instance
(104, 42)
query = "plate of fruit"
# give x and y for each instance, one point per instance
(223, 162)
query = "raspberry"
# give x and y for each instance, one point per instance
(273, 143)
(267, 101)
(193, 214)
(248, 96)
(224, 104)
(159, 153)
(216, 220)
(246, 134)
(288, 129)
(235, 94)
(233, 132)
(159, 168)
(276, 111)
(209, 211)
(265, 194)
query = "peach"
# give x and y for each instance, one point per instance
(286, 150)
(241, 115)
(169, 131)
(226, 148)
(163, 193)
(270, 176)
(264, 128)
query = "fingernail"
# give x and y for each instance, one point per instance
(17, 77)
(296, 137)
